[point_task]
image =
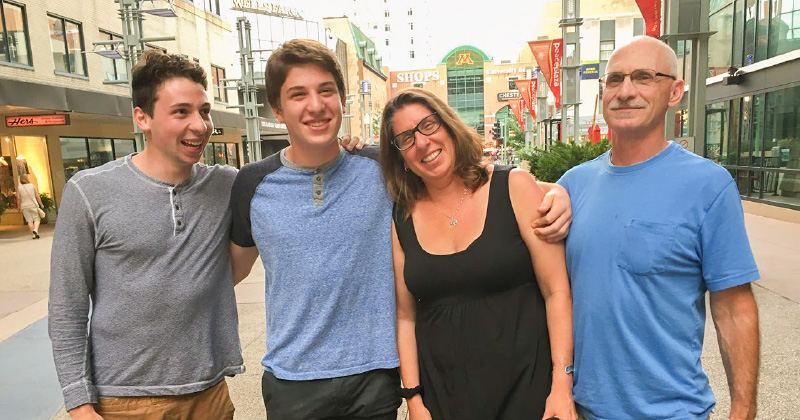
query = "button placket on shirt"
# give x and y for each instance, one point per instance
(318, 186)
(177, 209)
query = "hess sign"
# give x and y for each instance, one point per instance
(37, 120)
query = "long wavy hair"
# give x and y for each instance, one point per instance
(405, 187)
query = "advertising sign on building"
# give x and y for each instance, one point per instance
(506, 96)
(548, 54)
(37, 120)
(527, 89)
(590, 70)
(264, 8)
(417, 76)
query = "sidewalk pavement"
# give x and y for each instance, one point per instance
(34, 394)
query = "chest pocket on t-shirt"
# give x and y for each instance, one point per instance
(645, 247)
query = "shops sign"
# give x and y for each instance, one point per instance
(264, 8)
(419, 76)
(37, 120)
(505, 96)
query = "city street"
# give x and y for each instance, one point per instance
(29, 389)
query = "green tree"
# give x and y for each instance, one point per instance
(550, 165)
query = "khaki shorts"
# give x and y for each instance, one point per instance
(31, 215)
(212, 404)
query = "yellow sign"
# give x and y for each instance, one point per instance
(464, 58)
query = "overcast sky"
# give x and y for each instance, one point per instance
(511, 23)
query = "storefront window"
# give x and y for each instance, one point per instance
(14, 46)
(717, 131)
(80, 153)
(221, 154)
(782, 145)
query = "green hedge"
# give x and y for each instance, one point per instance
(549, 165)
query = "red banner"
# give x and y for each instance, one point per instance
(516, 106)
(527, 89)
(548, 55)
(651, 12)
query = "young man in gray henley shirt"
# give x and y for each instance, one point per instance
(142, 245)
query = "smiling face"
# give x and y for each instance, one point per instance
(311, 107)
(432, 156)
(180, 126)
(633, 111)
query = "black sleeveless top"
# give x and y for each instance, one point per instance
(482, 341)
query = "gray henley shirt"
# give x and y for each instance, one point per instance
(141, 289)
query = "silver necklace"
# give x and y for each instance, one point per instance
(453, 220)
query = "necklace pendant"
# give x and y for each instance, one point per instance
(453, 221)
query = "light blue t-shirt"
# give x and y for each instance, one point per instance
(646, 242)
(324, 235)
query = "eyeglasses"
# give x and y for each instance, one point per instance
(639, 78)
(427, 126)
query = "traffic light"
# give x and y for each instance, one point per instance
(496, 133)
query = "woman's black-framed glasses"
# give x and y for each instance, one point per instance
(639, 78)
(426, 126)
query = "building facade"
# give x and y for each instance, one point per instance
(753, 97)
(365, 79)
(468, 80)
(64, 108)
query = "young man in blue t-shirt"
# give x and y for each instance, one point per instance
(654, 228)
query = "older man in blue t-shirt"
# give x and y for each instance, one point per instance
(655, 227)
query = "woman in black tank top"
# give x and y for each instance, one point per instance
(484, 306)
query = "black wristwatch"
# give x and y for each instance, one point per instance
(410, 392)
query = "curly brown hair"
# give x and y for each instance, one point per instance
(298, 52)
(404, 187)
(156, 67)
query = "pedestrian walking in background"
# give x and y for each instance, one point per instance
(654, 228)
(142, 245)
(477, 340)
(30, 203)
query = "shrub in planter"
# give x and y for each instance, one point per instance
(550, 165)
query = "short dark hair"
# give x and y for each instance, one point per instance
(156, 67)
(298, 52)
(405, 187)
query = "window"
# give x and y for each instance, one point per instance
(411, 26)
(80, 153)
(638, 26)
(66, 40)
(411, 12)
(386, 13)
(213, 6)
(512, 85)
(221, 154)
(719, 52)
(114, 69)
(784, 29)
(14, 45)
(411, 54)
(217, 76)
(387, 42)
(412, 40)
(606, 48)
(386, 28)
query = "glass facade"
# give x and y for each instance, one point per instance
(80, 153)
(14, 43)
(748, 31)
(757, 138)
(221, 154)
(465, 86)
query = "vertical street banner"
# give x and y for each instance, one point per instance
(516, 106)
(527, 89)
(651, 12)
(548, 54)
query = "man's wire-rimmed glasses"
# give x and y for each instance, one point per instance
(426, 126)
(639, 78)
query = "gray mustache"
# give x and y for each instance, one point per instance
(617, 105)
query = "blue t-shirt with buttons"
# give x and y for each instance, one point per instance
(325, 238)
(646, 242)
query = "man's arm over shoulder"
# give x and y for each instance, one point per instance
(71, 282)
